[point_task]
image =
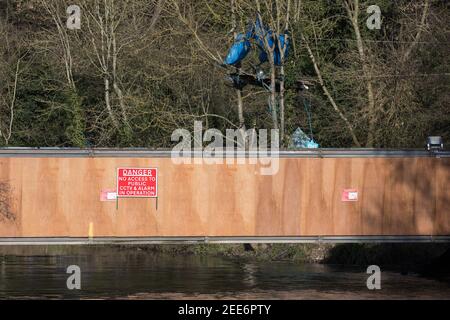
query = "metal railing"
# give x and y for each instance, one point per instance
(166, 153)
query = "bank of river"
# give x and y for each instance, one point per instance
(348, 254)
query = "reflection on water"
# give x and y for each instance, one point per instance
(142, 275)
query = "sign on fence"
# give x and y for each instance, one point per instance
(137, 182)
(108, 195)
(349, 195)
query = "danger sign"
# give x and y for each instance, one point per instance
(137, 182)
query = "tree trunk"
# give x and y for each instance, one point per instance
(116, 87)
(270, 50)
(7, 136)
(240, 103)
(108, 102)
(273, 97)
(281, 98)
(353, 16)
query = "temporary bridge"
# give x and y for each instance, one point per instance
(69, 196)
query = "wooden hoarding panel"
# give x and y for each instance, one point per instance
(59, 197)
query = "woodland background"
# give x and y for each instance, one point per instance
(139, 69)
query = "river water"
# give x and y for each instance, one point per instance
(143, 275)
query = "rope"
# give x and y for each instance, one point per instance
(265, 86)
(307, 104)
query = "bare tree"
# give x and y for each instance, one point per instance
(7, 133)
(270, 49)
(108, 36)
(102, 20)
(328, 94)
(277, 17)
(372, 63)
(420, 29)
(10, 70)
(54, 9)
(283, 49)
(352, 8)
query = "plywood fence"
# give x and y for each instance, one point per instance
(60, 197)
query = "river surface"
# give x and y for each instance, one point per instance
(144, 275)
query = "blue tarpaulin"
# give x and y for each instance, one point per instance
(260, 32)
(271, 38)
(241, 46)
(238, 50)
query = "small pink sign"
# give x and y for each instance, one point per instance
(108, 195)
(349, 195)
